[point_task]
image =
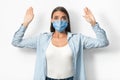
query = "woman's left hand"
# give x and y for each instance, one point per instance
(89, 16)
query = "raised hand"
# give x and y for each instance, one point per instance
(28, 16)
(89, 16)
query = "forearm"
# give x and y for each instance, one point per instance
(100, 40)
(18, 36)
(100, 33)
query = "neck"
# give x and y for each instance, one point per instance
(59, 34)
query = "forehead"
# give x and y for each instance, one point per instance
(59, 13)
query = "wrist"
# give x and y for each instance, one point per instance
(25, 24)
(93, 24)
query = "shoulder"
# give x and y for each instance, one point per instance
(75, 34)
(45, 35)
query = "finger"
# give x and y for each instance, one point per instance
(89, 11)
(86, 17)
(31, 8)
(86, 10)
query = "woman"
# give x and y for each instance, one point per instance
(60, 52)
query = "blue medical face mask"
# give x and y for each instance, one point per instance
(60, 25)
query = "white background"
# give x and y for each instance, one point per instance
(18, 64)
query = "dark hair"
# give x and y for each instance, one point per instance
(62, 9)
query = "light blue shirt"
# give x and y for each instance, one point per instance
(77, 43)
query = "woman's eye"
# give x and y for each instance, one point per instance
(64, 18)
(56, 17)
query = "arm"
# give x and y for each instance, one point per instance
(18, 36)
(18, 40)
(101, 39)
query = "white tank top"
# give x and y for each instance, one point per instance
(59, 61)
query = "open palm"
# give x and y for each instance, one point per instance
(89, 16)
(28, 16)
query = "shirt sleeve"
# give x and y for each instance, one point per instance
(18, 40)
(100, 40)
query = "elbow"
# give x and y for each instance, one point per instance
(16, 44)
(105, 43)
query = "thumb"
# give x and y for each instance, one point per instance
(85, 16)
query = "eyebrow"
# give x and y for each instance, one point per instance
(62, 16)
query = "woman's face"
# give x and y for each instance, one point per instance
(58, 15)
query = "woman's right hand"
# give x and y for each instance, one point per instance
(28, 17)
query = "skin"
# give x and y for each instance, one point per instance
(59, 39)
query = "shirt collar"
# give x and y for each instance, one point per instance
(69, 35)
